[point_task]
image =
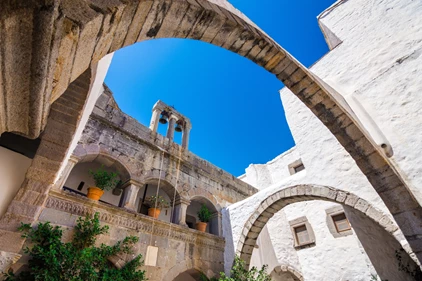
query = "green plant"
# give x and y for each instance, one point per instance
(204, 214)
(78, 260)
(240, 273)
(157, 202)
(103, 179)
(203, 277)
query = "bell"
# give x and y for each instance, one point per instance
(178, 128)
(163, 119)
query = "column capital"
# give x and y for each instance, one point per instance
(183, 201)
(173, 116)
(132, 182)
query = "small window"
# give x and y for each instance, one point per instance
(299, 168)
(296, 167)
(341, 222)
(302, 235)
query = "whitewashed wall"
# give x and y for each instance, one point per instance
(379, 61)
(13, 167)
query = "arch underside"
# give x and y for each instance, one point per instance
(300, 193)
(62, 39)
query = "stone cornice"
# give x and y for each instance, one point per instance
(81, 206)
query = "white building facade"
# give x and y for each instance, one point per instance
(375, 65)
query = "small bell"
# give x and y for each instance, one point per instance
(178, 128)
(163, 118)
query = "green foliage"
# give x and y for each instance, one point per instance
(103, 179)
(203, 277)
(240, 273)
(157, 202)
(78, 260)
(204, 214)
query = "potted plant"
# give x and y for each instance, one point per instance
(204, 216)
(104, 181)
(156, 203)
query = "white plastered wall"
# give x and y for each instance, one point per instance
(13, 167)
(379, 61)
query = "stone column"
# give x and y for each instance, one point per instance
(215, 224)
(179, 213)
(130, 194)
(155, 119)
(170, 129)
(66, 172)
(186, 133)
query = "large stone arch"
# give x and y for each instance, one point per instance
(299, 193)
(60, 40)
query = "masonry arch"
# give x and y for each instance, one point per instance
(77, 178)
(71, 38)
(299, 193)
(181, 270)
(285, 273)
(196, 202)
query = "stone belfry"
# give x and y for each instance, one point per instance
(163, 113)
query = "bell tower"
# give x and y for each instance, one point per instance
(164, 114)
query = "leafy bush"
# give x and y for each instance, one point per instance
(78, 260)
(204, 214)
(240, 273)
(104, 180)
(157, 202)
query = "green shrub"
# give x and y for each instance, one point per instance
(204, 214)
(157, 202)
(240, 273)
(103, 179)
(78, 260)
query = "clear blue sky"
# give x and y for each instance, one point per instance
(236, 113)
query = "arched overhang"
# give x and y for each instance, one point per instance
(62, 39)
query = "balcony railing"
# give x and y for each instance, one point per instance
(79, 205)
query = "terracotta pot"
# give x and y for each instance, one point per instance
(201, 226)
(95, 193)
(153, 212)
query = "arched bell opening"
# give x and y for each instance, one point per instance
(192, 218)
(80, 179)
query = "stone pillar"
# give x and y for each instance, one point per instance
(186, 133)
(170, 129)
(215, 226)
(130, 194)
(66, 172)
(155, 119)
(179, 213)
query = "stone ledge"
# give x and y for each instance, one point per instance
(81, 206)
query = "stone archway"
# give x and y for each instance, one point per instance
(299, 193)
(70, 36)
(286, 273)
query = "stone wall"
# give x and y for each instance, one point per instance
(176, 244)
(111, 132)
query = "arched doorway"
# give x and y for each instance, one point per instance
(214, 225)
(381, 233)
(189, 275)
(285, 273)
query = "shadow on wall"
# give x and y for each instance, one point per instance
(229, 250)
(380, 248)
